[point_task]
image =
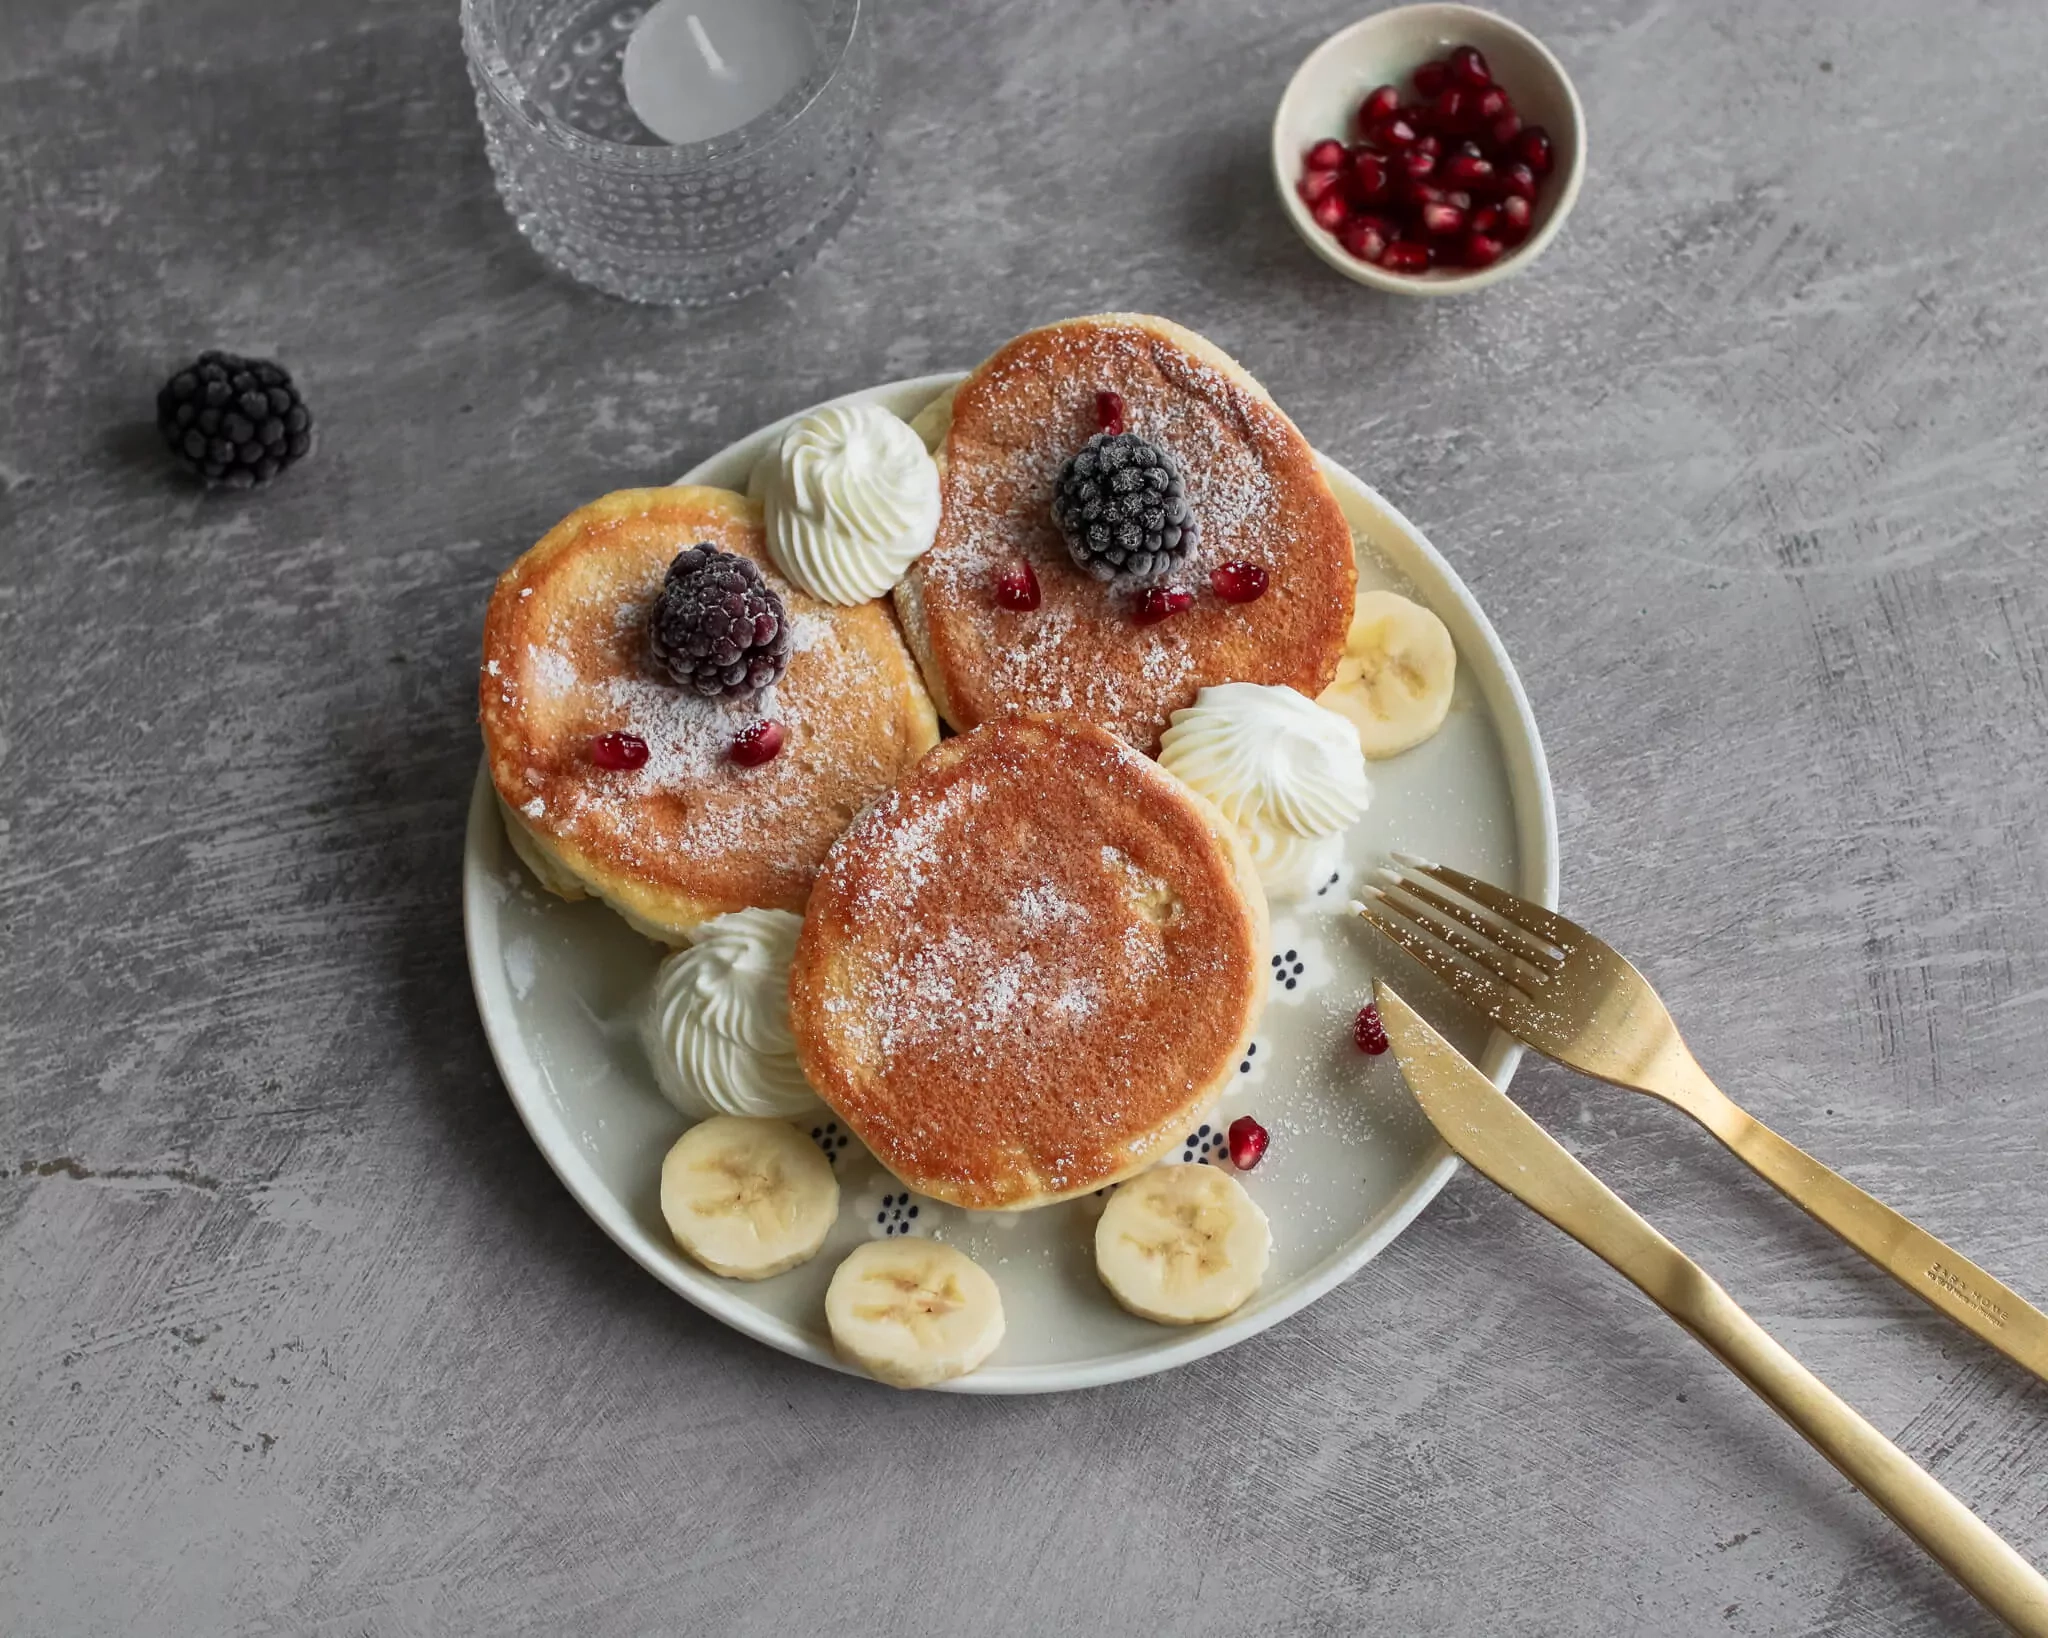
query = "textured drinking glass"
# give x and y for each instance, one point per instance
(610, 203)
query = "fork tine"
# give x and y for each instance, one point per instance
(1538, 953)
(1531, 918)
(1495, 1000)
(1473, 950)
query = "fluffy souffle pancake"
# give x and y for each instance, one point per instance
(1024, 970)
(1257, 495)
(691, 834)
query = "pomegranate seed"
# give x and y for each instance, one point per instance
(1018, 591)
(1515, 213)
(1405, 256)
(1517, 180)
(1504, 129)
(1486, 219)
(1248, 1140)
(758, 744)
(1330, 211)
(1458, 197)
(1160, 601)
(1395, 133)
(1480, 250)
(1364, 239)
(620, 753)
(1369, 1032)
(1417, 194)
(1490, 104)
(1314, 184)
(1379, 104)
(1246, 582)
(1431, 78)
(1109, 411)
(1429, 143)
(1415, 113)
(1326, 155)
(1367, 236)
(1449, 107)
(1467, 67)
(1417, 165)
(1532, 148)
(1368, 177)
(1441, 219)
(1466, 170)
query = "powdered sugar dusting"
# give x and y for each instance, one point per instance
(691, 818)
(1016, 424)
(1043, 906)
(551, 671)
(1048, 988)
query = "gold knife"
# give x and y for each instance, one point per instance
(1489, 1130)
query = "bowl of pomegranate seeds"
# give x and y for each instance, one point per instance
(1429, 150)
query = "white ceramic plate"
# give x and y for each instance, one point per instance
(1352, 1160)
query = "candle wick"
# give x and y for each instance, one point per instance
(720, 70)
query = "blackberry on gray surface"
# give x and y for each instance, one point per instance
(718, 628)
(1122, 505)
(235, 422)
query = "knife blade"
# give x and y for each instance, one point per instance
(1489, 1130)
(1491, 1133)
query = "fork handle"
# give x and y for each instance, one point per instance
(1963, 1544)
(1922, 1264)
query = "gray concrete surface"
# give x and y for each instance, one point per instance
(302, 1337)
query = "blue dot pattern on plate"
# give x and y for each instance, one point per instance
(897, 1214)
(1298, 964)
(831, 1139)
(1205, 1144)
(1252, 1064)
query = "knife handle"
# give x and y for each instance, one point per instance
(1898, 1245)
(1967, 1547)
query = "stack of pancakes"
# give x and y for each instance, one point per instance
(1029, 954)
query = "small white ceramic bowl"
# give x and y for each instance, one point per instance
(1384, 49)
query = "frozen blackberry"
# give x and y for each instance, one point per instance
(717, 627)
(235, 422)
(1122, 505)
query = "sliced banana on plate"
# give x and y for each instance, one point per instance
(913, 1312)
(1394, 680)
(1182, 1244)
(748, 1196)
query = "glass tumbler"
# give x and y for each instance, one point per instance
(610, 203)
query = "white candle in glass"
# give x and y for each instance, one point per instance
(696, 69)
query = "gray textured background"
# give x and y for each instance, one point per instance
(302, 1336)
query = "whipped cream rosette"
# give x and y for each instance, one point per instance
(716, 1028)
(851, 498)
(1286, 772)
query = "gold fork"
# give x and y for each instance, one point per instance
(1554, 986)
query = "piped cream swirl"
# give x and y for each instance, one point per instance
(1291, 866)
(1286, 772)
(852, 500)
(716, 1028)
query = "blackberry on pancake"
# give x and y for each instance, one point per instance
(1003, 616)
(617, 781)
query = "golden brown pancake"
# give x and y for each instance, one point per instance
(1027, 967)
(1257, 493)
(692, 834)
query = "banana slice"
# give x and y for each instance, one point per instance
(1182, 1244)
(1394, 681)
(748, 1196)
(913, 1312)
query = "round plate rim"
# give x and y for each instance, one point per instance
(725, 1301)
